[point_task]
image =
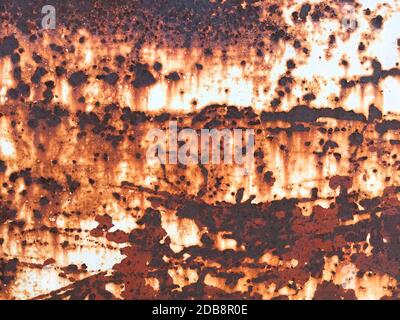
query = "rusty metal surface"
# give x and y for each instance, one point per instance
(84, 215)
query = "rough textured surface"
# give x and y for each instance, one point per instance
(83, 215)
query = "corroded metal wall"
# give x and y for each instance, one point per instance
(84, 215)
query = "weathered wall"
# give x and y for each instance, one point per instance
(84, 215)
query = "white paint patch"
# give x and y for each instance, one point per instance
(7, 147)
